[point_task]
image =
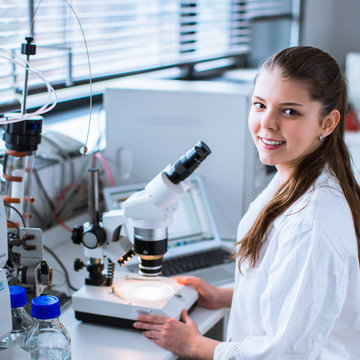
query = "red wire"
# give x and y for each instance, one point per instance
(106, 167)
(98, 156)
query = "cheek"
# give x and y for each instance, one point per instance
(253, 124)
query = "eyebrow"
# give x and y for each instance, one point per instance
(283, 104)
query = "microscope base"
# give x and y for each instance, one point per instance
(120, 305)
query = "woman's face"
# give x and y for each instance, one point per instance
(284, 122)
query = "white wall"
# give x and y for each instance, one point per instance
(332, 25)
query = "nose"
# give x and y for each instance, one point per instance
(269, 120)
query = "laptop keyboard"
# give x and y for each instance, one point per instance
(186, 263)
(196, 261)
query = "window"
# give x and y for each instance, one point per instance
(124, 37)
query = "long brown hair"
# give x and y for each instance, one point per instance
(326, 84)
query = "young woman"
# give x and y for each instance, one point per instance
(297, 286)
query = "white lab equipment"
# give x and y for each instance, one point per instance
(14, 353)
(21, 319)
(194, 245)
(149, 212)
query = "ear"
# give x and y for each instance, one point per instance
(329, 122)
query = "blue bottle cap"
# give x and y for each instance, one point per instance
(45, 307)
(17, 296)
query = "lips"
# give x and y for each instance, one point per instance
(271, 143)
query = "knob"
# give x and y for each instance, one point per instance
(78, 264)
(46, 274)
(77, 234)
(94, 237)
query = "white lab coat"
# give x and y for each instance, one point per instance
(302, 301)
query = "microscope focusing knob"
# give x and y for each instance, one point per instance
(78, 264)
(94, 237)
(77, 234)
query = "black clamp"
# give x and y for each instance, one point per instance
(28, 48)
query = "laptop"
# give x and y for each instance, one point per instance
(194, 245)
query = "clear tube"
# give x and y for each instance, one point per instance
(50, 103)
(17, 175)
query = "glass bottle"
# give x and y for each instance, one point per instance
(21, 319)
(47, 339)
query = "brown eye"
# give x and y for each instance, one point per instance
(259, 106)
(291, 112)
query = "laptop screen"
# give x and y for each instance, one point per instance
(192, 226)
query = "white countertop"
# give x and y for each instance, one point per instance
(94, 342)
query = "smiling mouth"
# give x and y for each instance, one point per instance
(271, 143)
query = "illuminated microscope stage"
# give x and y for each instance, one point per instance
(130, 296)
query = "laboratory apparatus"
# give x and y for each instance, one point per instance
(26, 265)
(15, 352)
(21, 319)
(5, 313)
(149, 212)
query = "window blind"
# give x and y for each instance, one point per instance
(124, 36)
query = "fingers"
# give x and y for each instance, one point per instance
(154, 335)
(150, 322)
(188, 280)
(170, 334)
(185, 317)
(155, 319)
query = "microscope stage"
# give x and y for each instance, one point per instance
(120, 304)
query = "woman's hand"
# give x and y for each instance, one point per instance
(210, 297)
(181, 338)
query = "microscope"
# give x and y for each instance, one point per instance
(148, 213)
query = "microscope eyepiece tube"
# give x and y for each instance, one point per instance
(186, 165)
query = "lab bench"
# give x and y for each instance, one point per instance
(92, 341)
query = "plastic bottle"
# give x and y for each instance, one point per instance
(47, 339)
(21, 319)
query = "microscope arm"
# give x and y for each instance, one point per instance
(155, 205)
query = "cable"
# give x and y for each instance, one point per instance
(57, 203)
(15, 226)
(98, 156)
(17, 211)
(66, 273)
(43, 109)
(62, 274)
(79, 198)
(90, 78)
(64, 154)
(14, 117)
(45, 223)
(43, 190)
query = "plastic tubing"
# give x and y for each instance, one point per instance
(14, 117)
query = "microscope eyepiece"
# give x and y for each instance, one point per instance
(186, 165)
